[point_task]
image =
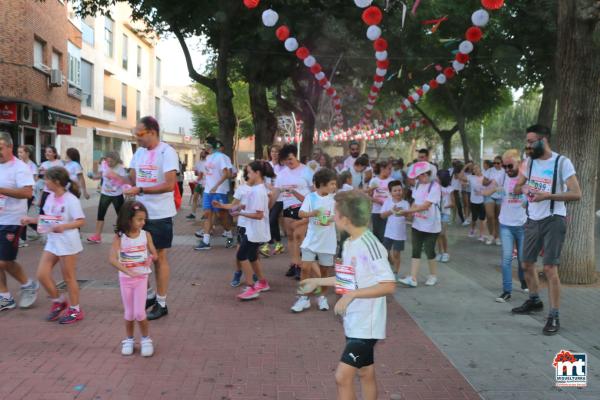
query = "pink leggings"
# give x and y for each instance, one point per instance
(133, 293)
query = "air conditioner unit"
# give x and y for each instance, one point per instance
(56, 78)
(25, 113)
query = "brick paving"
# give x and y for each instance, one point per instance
(210, 346)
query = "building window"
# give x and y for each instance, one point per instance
(55, 60)
(138, 105)
(109, 104)
(38, 53)
(125, 51)
(74, 75)
(87, 31)
(181, 130)
(157, 72)
(139, 62)
(157, 108)
(108, 36)
(123, 101)
(87, 83)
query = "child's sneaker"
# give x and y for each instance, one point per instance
(71, 316)
(301, 304)
(249, 293)
(445, 258)
(408, 281)
(237, 277)
(29, 295)
(481, 239)
(56, 310)
(489, 240)
(147, 347)
(7, 304)
(278, 249)
(431, 280)
(94, 239)
(323, 303)
(127, 346)
(471, 233)
(265, 250)
(262, 286)
(438, 257)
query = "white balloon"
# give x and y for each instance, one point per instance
(381, 55)
(458, 66)
(369, 106)
(399, 110)
(425, 88)
(416, 97)
(373, 32)
(372, 94)
(327, 85)
(380, 72)
(270, 18)
(319, 76)
(480, 18)
(310, 61)
(378, 85)
(291, 44)
(406, 103)
(465, 47)
(363, 3)
(337, 100)
(441, 79)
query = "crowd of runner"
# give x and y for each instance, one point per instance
(346, 222)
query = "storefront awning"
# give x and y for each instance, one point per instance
(54, 116)
(123, 135)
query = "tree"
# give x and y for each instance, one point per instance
(579, 126)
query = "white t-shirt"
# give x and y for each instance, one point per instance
(456, 184)
(150, 169)
(541, 181)
(32, 167)
(476, 184)
(380, 192)
(467, 186)
(298, 179)
(110, 186)
(199, 168)
(395, 226)
(134, 254)
(358, 178)
(258, 231)
(45, 166)
(213, 172)
(319, 238)
(276, 169)
(429, 220)
(446, 200)
(496, 175)
(349, 162)
(14, 174)
(512, 212)
(346, 187)
(366, 318)
(241, 194)
(74, 170)
(62, 210)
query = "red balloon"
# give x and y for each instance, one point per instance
(449, 72)
(413, 125)
(372, 97)
(433, 84)
(251, 3)
(338, 107)
(330, 91)
(302, 53)
(411, 99)
(323, 81)
(282, 33)
(492, 4)
(383, 64)
(315, 69)
(372, 16)
(374, 89)
(462, 58)
(403, 107)
(474, 34)
(378, 78)
(380, 44)
(420, 92)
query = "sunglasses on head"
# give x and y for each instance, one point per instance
(507, 166)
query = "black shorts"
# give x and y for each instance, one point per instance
(105, 202)
(359, 352)
(548, 234)
(248, 250)
(9, 242)
(161, 231)
(477, 212)
(292, 212)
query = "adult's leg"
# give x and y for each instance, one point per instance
(15, 270)
(507, 238)
(429, 247)
(163, 271)
(497, 207)
(465, 200)
(417, 242)
(68, 266)
(288, 226)
(519, 235)
(274, 221)
(103, 205)
(459, 208)
(551, 272)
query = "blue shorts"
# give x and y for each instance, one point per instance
(490, 199)
(445, 218)
(208, 198)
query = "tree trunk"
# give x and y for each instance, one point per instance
(462, 131)
(447, 146)
(549, 97)
(224, 94)
(265, 123)
(578, 129)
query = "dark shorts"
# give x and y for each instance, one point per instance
(548, 234)
(359, 352)
(105, 202)
(161, 231)
(397, 245)
(477, 212)
(9, 242)
(292, 212)
(248, 250)
(198, 188)
(423, 242)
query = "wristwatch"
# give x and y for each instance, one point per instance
(141, 191)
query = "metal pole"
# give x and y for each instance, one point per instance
(481, 146)
(296, 135)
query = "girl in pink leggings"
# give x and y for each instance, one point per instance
(132, 253)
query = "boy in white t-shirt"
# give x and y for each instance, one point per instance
(364, 279)
(320, 242)
(395, 226)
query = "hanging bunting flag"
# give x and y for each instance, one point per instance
(435, 22)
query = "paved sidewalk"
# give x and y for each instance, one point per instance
(210, 346)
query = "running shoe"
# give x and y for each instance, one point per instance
(56, 310)
(467, 222)
(301, 304)
(431, 280)
(146, 347)
(498, 242)
(28, 295)
(199, 234)
(445, 258)
(229, 243)
(265, 250)
(71, 316)
(94, 239)
(23, 243)
(278, 249)
(237, 277)
(481, 239)
(191, 216)
(408, 281)
(249, 293)
(503, 298)
(438, 257)
(127, 346)
(291, 271)
(323, 303)
(489, 240)
(202, 246)
(7, 304)
(262, 285)
(471, 233)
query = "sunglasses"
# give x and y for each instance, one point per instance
(507, 166)
(497, 163)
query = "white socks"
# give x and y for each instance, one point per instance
(162, 300)
(206, 238)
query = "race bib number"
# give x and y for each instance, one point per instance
(537, 184)
(345, 279)
(46, 222)
(2, 202)
(287, 190)
(148, 174)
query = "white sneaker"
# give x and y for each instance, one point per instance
(489, 240)
(471, 233)
(498, 242)
(301, 304)
(147, 347)
(438, 257)
(127, 346)
(431, 280)
(481, 239)
(445, 258)
(323, 303)
(408, 281)
(466, 223)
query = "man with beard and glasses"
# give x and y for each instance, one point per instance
(548, 181)
(354, 154)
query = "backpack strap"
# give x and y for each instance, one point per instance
(554, 182)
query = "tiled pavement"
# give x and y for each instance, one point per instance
(210, 346)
